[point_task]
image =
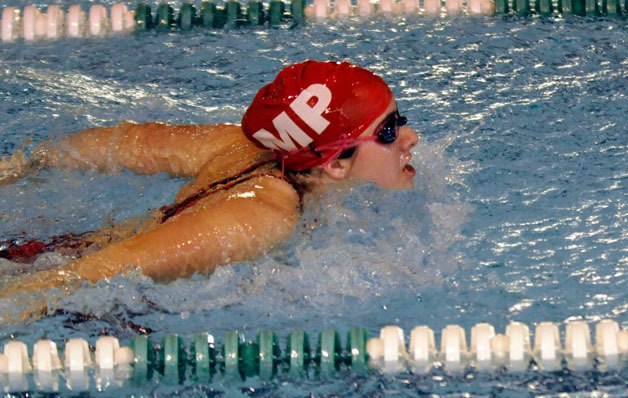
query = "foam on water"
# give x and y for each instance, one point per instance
(353, 246)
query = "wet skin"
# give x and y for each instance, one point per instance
(232, 225)
(385, 164)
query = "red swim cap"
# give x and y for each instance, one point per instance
(313, 110)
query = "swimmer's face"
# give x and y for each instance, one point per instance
(385, 164)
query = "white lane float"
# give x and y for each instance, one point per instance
(11, 24)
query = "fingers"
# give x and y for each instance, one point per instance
(12, 167)
(16, 166)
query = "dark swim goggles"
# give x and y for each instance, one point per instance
(387, 134)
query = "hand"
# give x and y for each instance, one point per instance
(16, 166)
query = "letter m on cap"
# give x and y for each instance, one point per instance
(289, 132)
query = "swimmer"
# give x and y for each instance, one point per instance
(316, 124)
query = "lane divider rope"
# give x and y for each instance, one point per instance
(203, 361)
(32, 24)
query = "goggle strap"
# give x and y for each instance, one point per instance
(343, 145)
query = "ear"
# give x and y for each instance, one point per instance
(337, 169)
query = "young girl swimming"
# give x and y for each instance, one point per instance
(317, 123)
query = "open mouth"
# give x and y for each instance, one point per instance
(409, 169)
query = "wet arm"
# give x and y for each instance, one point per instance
(249, 221)
(142, 148)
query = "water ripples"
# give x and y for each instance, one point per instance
(520, 206)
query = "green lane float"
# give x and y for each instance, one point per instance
(588, 8)
(521, 7)
(612, 7)
(255, 13)
(187, 17)
(276, 11)
(591, 8)
(298, 352)
(212, 17)
(356, 347)
(164, 17)
(176, 362)
(172, 360)
(202, 358)
(501, 7)
(564, 7)
(249, 352)
(143, 360)
(578, 7)
(297, 9)
(328, 355)
(233, 12)
(269, 354)
(544, 7)
(33, 24)
(143, 17)
(231, 355)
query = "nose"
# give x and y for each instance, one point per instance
(408, 138)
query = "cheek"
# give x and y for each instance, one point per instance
(377, 164)
(389, 163)
(386, 157)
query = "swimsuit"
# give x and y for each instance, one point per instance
(20, 251)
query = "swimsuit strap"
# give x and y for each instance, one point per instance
(20, 251)
(26, 251)
(246, 174)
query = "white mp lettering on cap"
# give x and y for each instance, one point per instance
(289, 132)
(312, 116)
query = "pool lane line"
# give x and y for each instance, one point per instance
(108, 365)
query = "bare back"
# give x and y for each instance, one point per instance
(234, 223)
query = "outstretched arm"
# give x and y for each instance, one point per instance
(143, 148)
(229, 226)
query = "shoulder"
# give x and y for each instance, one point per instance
(272, 190)
(224, 128)
(185, 129)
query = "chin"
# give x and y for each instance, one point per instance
(407, 184)
(405, 187)
(399, 186)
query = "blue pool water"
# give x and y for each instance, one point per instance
(519, 211)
